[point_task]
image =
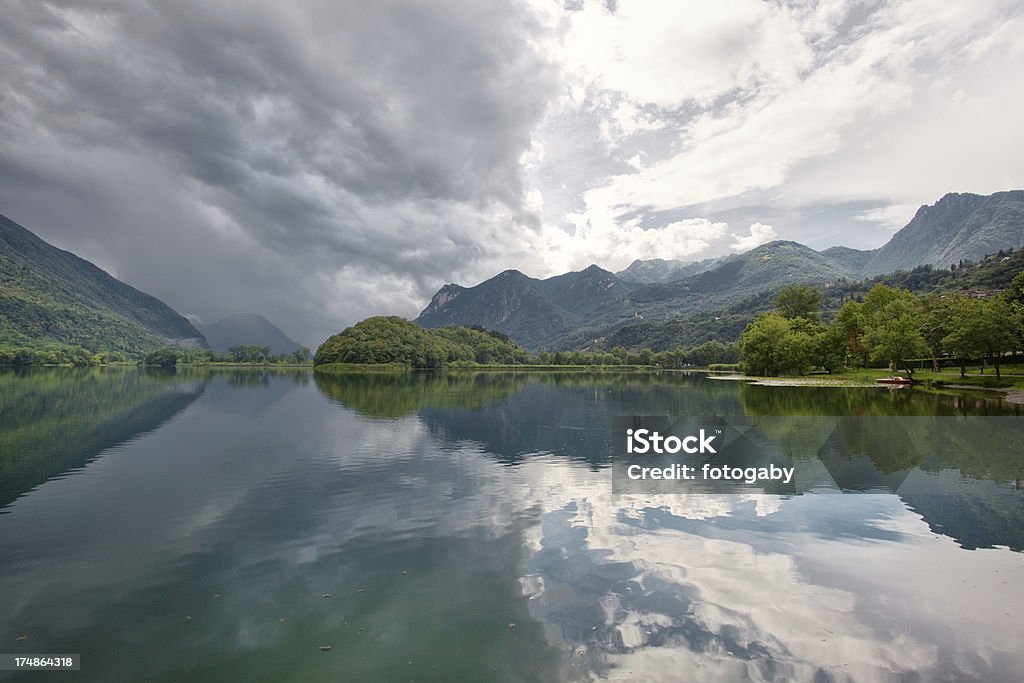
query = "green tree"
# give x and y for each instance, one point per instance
(829, 347)
(162, 356)
(1015, 292)
(961, 338)
(893, 333)
(936, 325)
(983, 327)
(850, 321)
(799, 301)
(771, 346)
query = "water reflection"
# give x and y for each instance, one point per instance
(475, 537)
(525, 415)
(53, 420)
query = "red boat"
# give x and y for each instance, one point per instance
(894, 380)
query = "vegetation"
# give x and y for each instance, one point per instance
(52, 300)
(890, 327)
(398, 343)
(236, 355)
(382, 340)
(56, 354)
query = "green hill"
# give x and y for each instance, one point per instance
(395, 341)
(50, 297)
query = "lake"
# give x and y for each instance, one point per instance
(227, 525)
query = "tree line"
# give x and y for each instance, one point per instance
(62, 354)
(889, 327)
(252, 354)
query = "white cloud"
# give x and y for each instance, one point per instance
(759, 234)
(891, 217)
(668, 53)
(703, 104)
(615, 246)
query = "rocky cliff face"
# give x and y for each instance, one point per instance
(444, 295)
(958, 226)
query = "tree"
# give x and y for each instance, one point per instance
(878, 298)
(983, 328)
(993, 323)
(893, 333)
(935, 325)
(799, 301)
(961, 337)
(1015, 292)
(850, 321)
(162, 356)
(771, 346)
(828, 348)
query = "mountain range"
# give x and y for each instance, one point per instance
(577, 309)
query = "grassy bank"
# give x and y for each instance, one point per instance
(1012, 379)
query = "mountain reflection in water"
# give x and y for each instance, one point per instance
(463, 527)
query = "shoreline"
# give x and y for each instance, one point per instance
(1008, 394)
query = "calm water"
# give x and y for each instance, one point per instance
(223, 526)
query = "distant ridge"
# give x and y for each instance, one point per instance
(247, 329)
(650, 271)
(51, 296)
(576, 309)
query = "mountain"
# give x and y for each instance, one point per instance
(958, 226)
(769, 266)
(649, 271)
(576, 308)
(529, 310)
(718, 296)
(247, 329)
(585, 292)
(646, 271)
(848, 257)
(50, 296)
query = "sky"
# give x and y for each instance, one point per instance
(319, 162)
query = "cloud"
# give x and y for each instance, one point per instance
(321, 161)
(759, 234)
(811, 104)
(615, 246)
(891, 217)
(231, 159)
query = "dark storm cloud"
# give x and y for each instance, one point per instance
(272, 154)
